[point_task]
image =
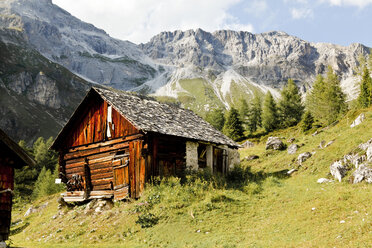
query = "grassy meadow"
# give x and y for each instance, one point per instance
(257, 205)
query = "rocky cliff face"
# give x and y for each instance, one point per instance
(267, 59)
(79, 46)
(37, 96)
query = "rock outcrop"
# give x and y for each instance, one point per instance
(303, 157)
(274, 143)
(292, 149)
(358, 120)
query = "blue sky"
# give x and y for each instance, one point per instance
(335, 21)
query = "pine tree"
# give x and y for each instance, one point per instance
(243, 110)
(307, 121)
(216, 118)
(254, 114)
(290, 106)
(269, 113)
(233, 126)
(365, 95)
(326, 101)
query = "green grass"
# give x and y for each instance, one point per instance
(257, 205)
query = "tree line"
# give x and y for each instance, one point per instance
(325, 103)
(37, 181)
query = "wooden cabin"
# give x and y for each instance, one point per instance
(116, 141)
(11, 156)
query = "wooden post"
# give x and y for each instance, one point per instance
(209, 157)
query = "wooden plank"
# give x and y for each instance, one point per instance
(131, 169)
(137, 165)
(142, 174)
(103, 181)
(121, 193)
(95, 151)
(101, 175)
(104, 143)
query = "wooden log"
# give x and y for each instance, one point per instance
(132, 178)
(97, 150)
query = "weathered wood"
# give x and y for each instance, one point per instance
(97, 150)
(132, 178)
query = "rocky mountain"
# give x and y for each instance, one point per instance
(202, 70)
(79, 46)
(233, 64)
(37, 96)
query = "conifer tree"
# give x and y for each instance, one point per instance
(269, 113)
(254, 114)
(216, 118)
(307, 121)
(326, 101)
(290, 106)
(233, 126)
(365, 95)
(243, 110)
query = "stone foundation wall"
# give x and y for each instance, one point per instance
(192, 155)
(234, 158)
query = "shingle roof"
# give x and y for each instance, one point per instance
(16, 149)
(151, 116)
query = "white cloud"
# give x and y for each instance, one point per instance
(356, 3)
(257, 7)
(139, 20)
(301, 13)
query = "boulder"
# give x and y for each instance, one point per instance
(369, 154)
(274, 143)
(324, 180)
(363, 172)
(251, 157)
(354, 159)
(292, 149)
(364, 146)
(303, 157)
(338, 170)
(358, 120)
(247, 144)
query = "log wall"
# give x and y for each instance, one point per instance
(92, 126)
(6, 182)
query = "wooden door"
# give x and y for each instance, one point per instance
(120, 165)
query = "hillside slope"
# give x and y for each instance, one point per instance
(259, 205)
(37, 96)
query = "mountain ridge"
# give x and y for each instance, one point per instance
(202, 70)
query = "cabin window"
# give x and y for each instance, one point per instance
(202, 156)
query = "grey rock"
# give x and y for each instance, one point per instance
(363, 172)
(338, 170)
(358, 120)
(324, 180)
(315, 133)
(274, 143)
(251, 157)
(292, 149)
(364, 146)
(303, 157)
(248, 144)
(329, 143)
(33, 209)
(354, 159)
